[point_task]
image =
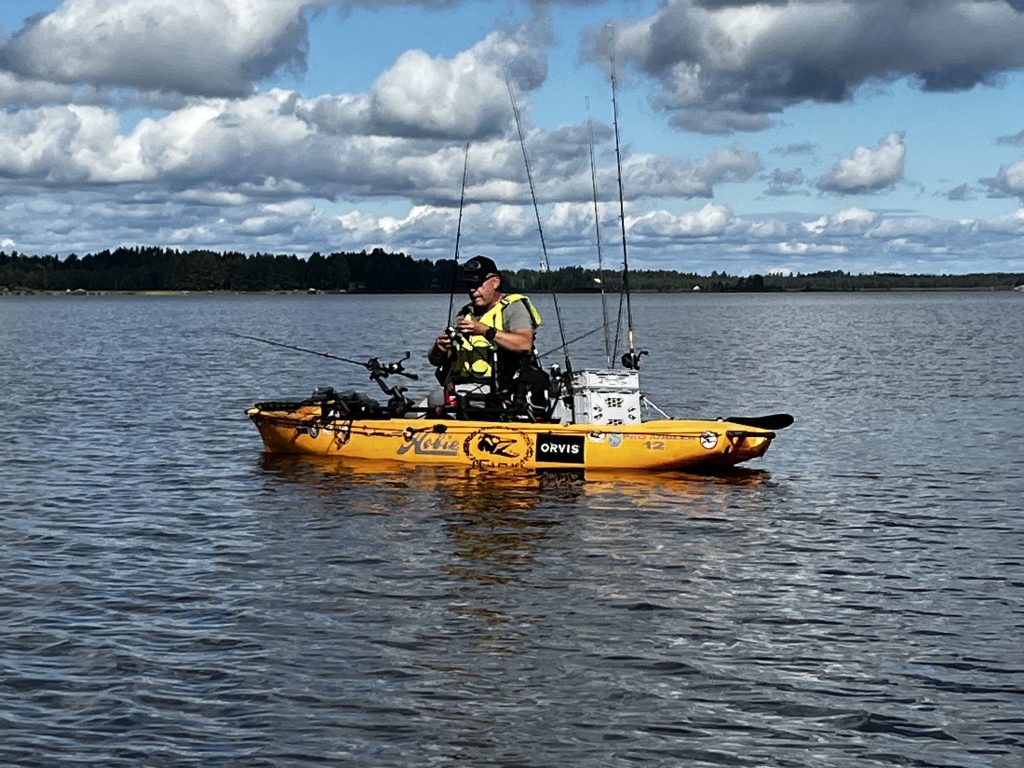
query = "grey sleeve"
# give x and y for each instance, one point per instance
(516, 316)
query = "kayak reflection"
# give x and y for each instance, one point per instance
(485, 541)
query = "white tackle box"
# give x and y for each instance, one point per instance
(606, 396)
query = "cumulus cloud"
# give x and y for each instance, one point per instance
(266, 148)
(728, 65)
(920, 228)
(462, 97)
(210, 161)
(848, 220)
(712, 219)
(222, 48)
(654, 176)
(200, 47)
(1008, 224)
(706, 239)
(1009, 182)
(845, 222)
(230, 141)
(867, 170)
(19, 91)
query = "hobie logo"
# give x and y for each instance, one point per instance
(428, 444)
(563, 449)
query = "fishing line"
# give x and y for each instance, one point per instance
(573, 340)
(545, 262)
(458, 236)
(631, 359)
(328, 355)
(371, 365)
(597, 234)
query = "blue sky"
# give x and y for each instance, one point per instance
(787, 135)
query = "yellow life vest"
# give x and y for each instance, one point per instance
(475, 355)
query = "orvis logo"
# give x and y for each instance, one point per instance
(564, 449)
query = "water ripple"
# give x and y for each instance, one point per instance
(170, 597)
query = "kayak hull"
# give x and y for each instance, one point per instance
(664, 444)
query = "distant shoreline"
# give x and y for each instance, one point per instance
(150, 271)
(294, 293)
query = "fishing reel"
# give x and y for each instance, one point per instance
(398, 403)
(379, 371)
(454, 336)
(631, 360)
(559, 380)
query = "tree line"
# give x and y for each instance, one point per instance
(378, 271)
(165, 269)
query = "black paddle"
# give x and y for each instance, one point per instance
(772, 422)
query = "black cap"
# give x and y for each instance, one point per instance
(478, 269)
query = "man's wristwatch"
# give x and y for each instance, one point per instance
(490, 333)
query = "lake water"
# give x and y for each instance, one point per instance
(169, 596)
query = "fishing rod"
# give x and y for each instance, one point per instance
(545, 262)
(458, 236)
(373, 365)
(582, 336)
(597, 233)
(630, 359)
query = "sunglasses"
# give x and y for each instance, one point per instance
(471, 285)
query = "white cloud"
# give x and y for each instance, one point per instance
(905, 227)
(845, 222)
(804, 248)
(702, 239)
(203, 47)
(17, 90)
(656, 176)
(265, 147)
(226, 143)
(762, 229)
(732, 65)
(1009, 181)
(462, 97)
(856, 219)
(1008, 224)
(712, 219)
(868, 170)
(139, 122)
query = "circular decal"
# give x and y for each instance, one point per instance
(498, 447)
(709, 440)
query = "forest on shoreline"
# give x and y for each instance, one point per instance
(140, 269)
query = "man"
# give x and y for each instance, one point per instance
(493, 335)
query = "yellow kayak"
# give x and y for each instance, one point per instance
(308, 427)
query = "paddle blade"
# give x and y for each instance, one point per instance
(772, 422)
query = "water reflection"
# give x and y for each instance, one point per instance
(481, 553)
(476, 488)
(497, 521)
(496, 493)
(492, 519)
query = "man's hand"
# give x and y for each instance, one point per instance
(441, 351)
(471, 326)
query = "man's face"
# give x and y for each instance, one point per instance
(483, 295)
